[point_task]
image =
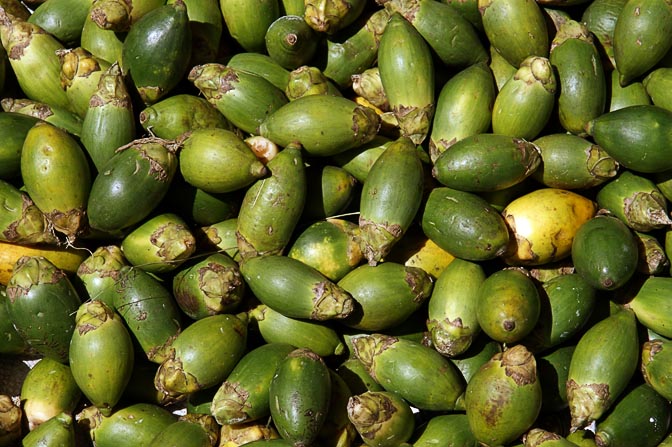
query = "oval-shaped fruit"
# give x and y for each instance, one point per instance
(390, 199)
(275, 278)
(544, 224)
(603, 363)
(486, 162)
(464, 225)
(651, 307)
(635, 136)
(451, 313)
(572, 162)
(101, 355)
(503, 398)
(640, 417)
(156, 51)
(42, 303)
(420, 374)
(243, 396)
(202, 355)
(57, 176)
(299, 396)
(508, 305)
(385, 295)
(604, 252)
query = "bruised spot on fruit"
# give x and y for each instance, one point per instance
(234, 400)
(187, 301)
(587, 402)
(86, 328)
(519, 364)
(368, 347)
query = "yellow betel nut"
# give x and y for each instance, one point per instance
(543, 223)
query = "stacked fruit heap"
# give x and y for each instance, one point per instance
(336, 223)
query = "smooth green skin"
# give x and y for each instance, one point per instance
(635, 200)
(101, 355)
(658, 85)
(602, 365)
(211, 286)
(407, 74)
(102, 43)
(275, 327)
(480, 352)
(330, 246)
(248, 22)
(291, 53)
(449, 430)
(10, 340)
(508, 305)
(135, 424)
(206, 23)
(109, 121)
(218, 161)
(129, 177)
(641, 417)
(600, 17)
(48, 389)
(390, 198)
(515, 43)
(386, 294)
(633, 94)
(299, 396)
(582, 438)
(463, 108)
(358, 160)
(582, 82)
(37, 67)
(182, 434)
(486, 162)
(553, 368)
(330, 190)
(656, 366)
(261, 65)
(58, 430)
(356, 53)
(274, 278)
(13, 130)
(572, 162)
(448, 33)
(420, 374)
(642, 37)
(464, 225)
(153, 322)
(323, 125)
(651, 307)
(243, 396)
(499, 408)
(524, 104)
(358, 380)
(636, 136)
(274, 203)
(173, 116)
(201, 208)
(42, 303)
(245, 99)
(204, 354)
(56, 175)
(451, 311)
(567, 302)
(156, 51)
(605, 253)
